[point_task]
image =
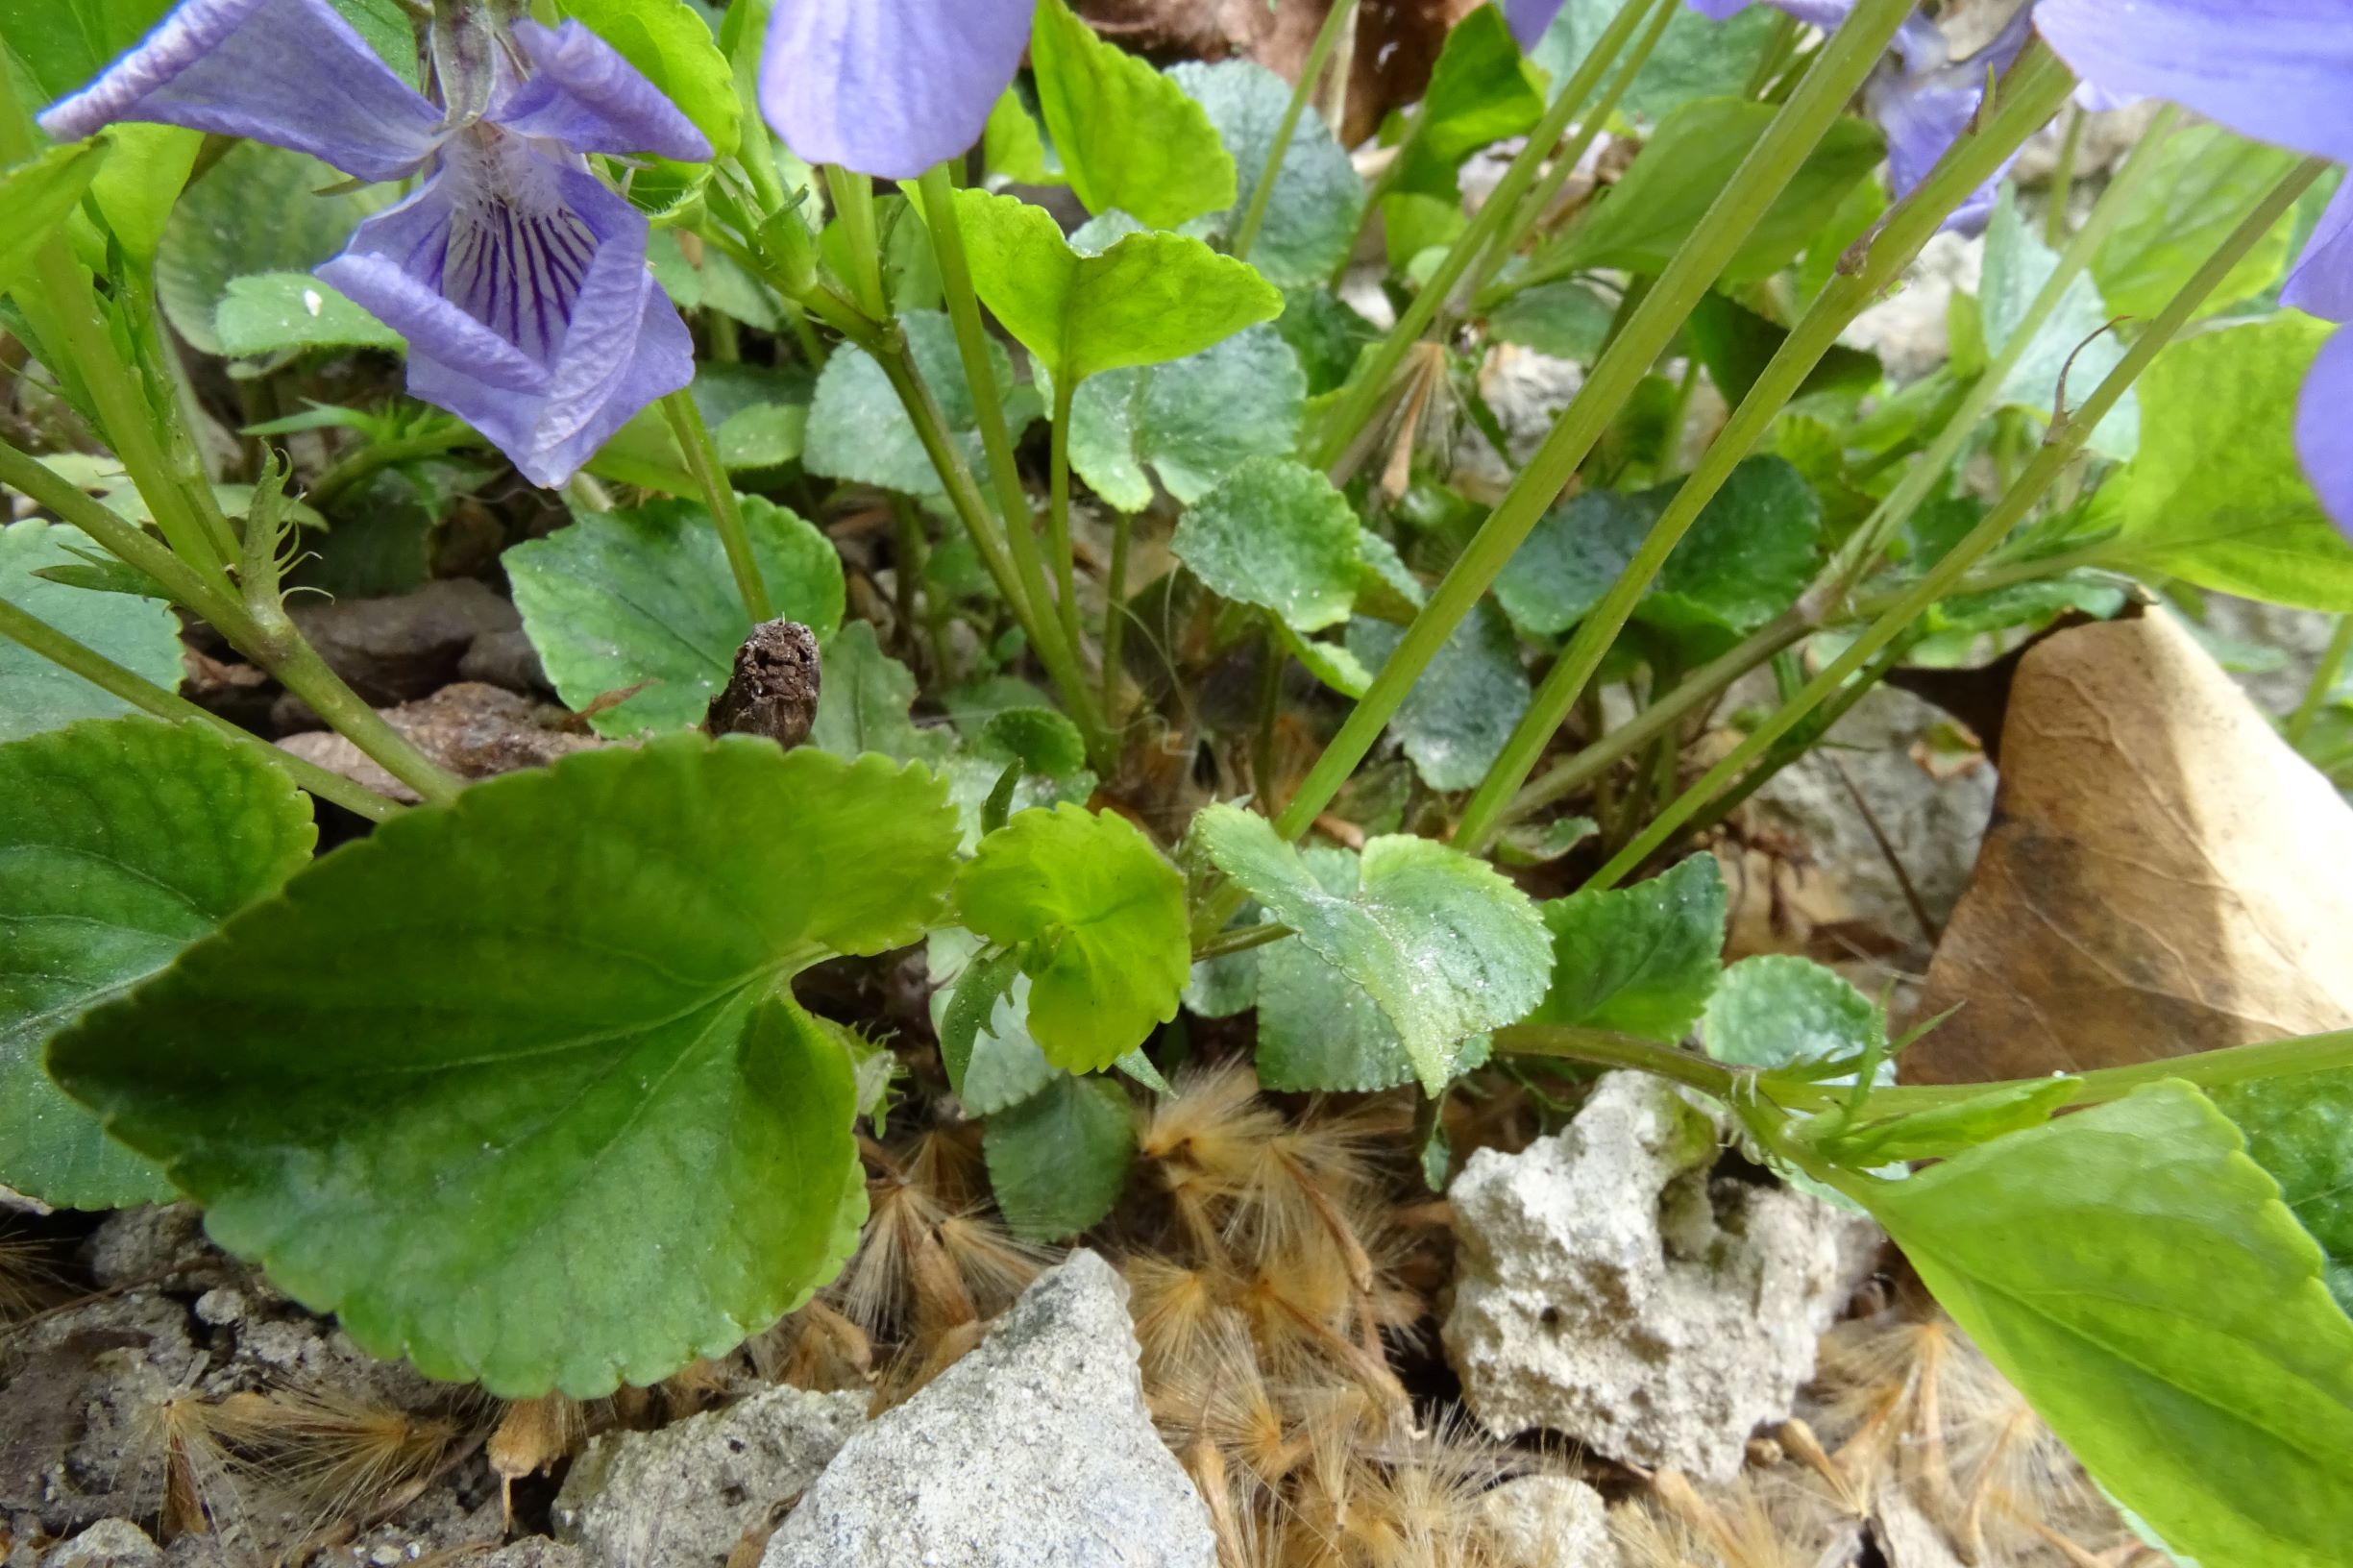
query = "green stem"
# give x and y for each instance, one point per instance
(853, 204)
(1775, 158)
(1530, 215)
(1114, 612)
(1058, 511)
(703, 461)
(298, 666)
(2066, 438)
(1365, 390)
(1230, 943)
(2036, 86)
(1867, 542)
(1777, 50)
(378, 455)
(2063, 180)
(2323, 685)
(1319, 54)
(127, 543)
(144, 694)
(1605, 1049)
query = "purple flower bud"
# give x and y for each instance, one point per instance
(888, 88)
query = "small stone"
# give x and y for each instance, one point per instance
(143, 1246)
(685, 1494)
(474, 731)
(1034, 1449)
(506, 659)
(775, 688)
(1610, 1290)
(398, 649)
(104, 1545)
(1549, 1522)
(533, 1551)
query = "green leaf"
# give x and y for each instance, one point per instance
(1565, 320)
(712, 280)
(275, 312)
(2300, 1129)
(38, 195)
(982, 1024)
(1681, 170)
(1777, 1010)
(1058, 1160)
(1736, 344)
(2139, 1280)
(2217, 495)
(862, 703)
(1542, 844)
(1193, 420)
(1941, 1132)
(64, 44)
(124, 840)
(2074, 341)
(512, 1086)
(1694, 59)
(141, 634)
(1639, 960)
(620, 598)
(858, 429)
(2205, 184)
(672, 46)
(1444, 946)
(1482, 90)
(141, 180)
(1150, 298)
(1326, 334)
(387, 30)
(1318, 201)
(1100, 918)
(1129, 137)
(1039, 739)
(1278, 535)
(1455, 722)
(1012, 149)
(213, 238)
(1319, 1031)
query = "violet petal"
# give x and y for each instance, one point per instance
(289, 72)
(888, 88)
(582, 92)
(2323, 281)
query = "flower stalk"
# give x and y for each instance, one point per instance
(710, 474)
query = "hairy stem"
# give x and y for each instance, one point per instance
(2066, 438)
(1319, 54)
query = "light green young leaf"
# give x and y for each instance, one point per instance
(212, 237)
(1129, 137)
(1193, 420)
(37, 196)
(124, 840)
(863, 700)
(1777, 1009)
(673, 47)
(2205, 184)
(1456, 720)
(1482, 90)
(1318, 201)
(1011, 148)
(1679, 174)
(2074, 342)
(2139, 1280)
(1444, 946)
(1058, 1160)
(275, 312)
(859, 430)
(1275, 534)
(522, 1108)
(1640, 959)
(141, 634)
(2218, 495)
(622, 599)
(1100, 918)
(1150, 298)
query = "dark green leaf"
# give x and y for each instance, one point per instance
(620, 598)
(1101, 920)
(1456, 720)
(1542, 844)
(863, 700)
(985, 1042)
(1318, 201)
(124, 840)
(1639, 960)
(1566, 320)
(1040, 739)
(858, 429)
(141, 635)
(1736, 344)
(524, 1107)
(213, 238)
(2140, 1280)
(2300, 1129)
(1193, 420)
(1129, 137)
(1482, 90)
(1276, 535)
(1058, 1160)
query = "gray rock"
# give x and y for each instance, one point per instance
(106, 1544)
(143, 1246)
(508, 660)
(1549, 1522)
(396, 650)
(1033, 1451)
(686, 1494)
(1610, 1290)
(1907, 328)
(533, 1551)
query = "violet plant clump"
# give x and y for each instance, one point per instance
(989, 506)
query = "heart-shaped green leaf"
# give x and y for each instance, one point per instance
(858, 429)
(1442, 944)
(1777, 1009)
(1101, 919)
(645, 598)
(511, 1086)
(124, 840)
(1194, 420)
(1639, 960)
(1276, 535)
(1148, 298)
(1058, 1160)
(863, 702)
(1128, 137)
(1317, 204)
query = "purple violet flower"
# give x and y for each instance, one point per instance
(2277, 70)
(888, 87)
(518, 278)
